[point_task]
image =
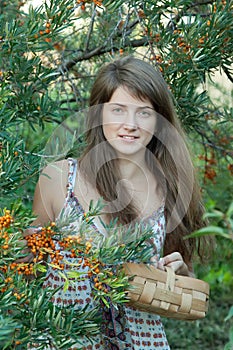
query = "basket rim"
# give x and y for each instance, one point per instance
(166, 294)
(152, 273)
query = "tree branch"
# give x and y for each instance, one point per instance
(210, 143)
(100, 51)
(90, 29)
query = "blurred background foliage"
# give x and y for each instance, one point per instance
(49, 55)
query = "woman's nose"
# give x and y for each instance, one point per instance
(130, 122)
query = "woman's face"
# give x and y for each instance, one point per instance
(128, 123)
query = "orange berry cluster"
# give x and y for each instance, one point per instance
(6, 219)
(83, 3)
(157, 58)
(153, 36)
(47, 30)
(202, 40)
(230, 168)
(95, 268)
(9, 284)
(41, 244)
(141, 14)
(71, 243)
(210, 172)
(76, 245)
(182, 44)
(5, 222)
(81, 248)
(22, 268)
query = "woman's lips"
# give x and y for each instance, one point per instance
(128, 137)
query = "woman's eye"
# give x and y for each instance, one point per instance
(144, 114)
(118, 110)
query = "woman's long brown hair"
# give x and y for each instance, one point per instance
(167, 148)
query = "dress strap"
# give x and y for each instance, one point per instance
(72, 171)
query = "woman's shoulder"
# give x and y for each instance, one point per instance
(53, 176)
(55, 170)
(51, 189)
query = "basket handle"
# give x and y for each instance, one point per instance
(171, 276)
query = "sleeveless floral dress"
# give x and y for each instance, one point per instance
(122, 329)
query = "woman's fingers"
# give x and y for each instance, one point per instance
(161, 264)
(176, 262)
(27, 252)
(173, 260)
(27, 259)
(170, 258)
(31, 230)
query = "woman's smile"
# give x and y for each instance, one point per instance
(128, 138)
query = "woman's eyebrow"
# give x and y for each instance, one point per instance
(143, 107)
(117, 104)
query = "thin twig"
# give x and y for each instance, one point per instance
(90, 29)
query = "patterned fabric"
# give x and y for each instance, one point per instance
(125, 328)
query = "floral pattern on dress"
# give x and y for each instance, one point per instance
(124, 328)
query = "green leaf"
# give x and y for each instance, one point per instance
(113, 5)
(215, 214)
(209, 230)
(75, 274)
(230, 314)
(229, 212)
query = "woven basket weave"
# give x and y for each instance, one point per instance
(165, 293)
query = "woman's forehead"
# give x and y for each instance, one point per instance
(123, 96)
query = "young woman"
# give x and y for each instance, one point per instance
(137, 160)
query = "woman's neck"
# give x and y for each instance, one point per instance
(131, 170)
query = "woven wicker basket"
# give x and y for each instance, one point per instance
(165, 293)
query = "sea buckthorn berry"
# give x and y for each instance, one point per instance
(230, 168)
(141, 14)
(157, 38)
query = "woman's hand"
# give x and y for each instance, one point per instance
(176, 262)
